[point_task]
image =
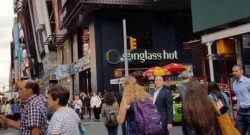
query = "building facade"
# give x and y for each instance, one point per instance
(159, 28)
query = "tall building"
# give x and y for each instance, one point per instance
(96, 31)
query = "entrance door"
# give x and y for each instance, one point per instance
(85, 81)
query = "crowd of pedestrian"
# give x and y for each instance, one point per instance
(32, 113)
(10, 108)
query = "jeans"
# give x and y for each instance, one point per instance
(96, 113)
(112, 130)
(243, 120)
(78, 111)
(164, 130)
(129, 130)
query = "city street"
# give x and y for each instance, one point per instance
(93, 128)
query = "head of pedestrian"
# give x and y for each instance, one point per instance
(27, 89)
(237, 71)
(76, 97)
(213, 87)
(132, 91)
(58, 96)
(159, 81)
(109, 98)
(196, 103)
(185, 76)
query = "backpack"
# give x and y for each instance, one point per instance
(220, 103)
(147, 119)
(111, 114)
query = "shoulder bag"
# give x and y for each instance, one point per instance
(225, 124)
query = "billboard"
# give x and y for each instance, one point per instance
(211, 13)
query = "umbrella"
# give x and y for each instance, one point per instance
(175, 67)
(156, 71)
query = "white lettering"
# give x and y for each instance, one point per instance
(167, 55)
(145, 55)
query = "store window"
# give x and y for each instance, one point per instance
(85, 42)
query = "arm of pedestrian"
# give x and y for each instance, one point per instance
(9, 122)
(169, 103)
(35, 131)
(122, 112)
(102, 110)
(169, 126)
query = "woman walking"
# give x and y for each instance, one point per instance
(132, 92)
(200, 113)
(65, 120)
(109, 111)
(220, 99)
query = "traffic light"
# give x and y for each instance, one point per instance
(132, 44)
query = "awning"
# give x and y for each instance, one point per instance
(71, 8)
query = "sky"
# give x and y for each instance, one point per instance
(6, 24)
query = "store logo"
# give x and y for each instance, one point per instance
(114, 56)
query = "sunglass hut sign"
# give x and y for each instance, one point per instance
(142, 56)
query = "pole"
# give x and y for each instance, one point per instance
(125, 47)
(210, 60)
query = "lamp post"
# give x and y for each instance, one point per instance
(125, 47)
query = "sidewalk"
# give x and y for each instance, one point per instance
(9, 131)
(93, 128)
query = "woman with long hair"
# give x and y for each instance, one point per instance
(199, 112)
(132, 92)
(109, 111)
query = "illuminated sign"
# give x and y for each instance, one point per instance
(114, 56)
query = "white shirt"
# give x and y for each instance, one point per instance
(78, 104)
(95, 101)
(156, 94)
(64, 122)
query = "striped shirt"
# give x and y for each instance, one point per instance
(64, 121)
(33, 114)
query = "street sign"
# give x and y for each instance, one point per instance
(117, 81)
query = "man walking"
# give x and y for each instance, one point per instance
(33, 113)
(241, 87)
(163, 100)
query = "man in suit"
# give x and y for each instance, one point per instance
(163, 100)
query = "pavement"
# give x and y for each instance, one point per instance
(92, 128)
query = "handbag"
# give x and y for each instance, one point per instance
(225, 124)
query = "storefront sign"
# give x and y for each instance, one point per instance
(114, 56)
(117, 81)
(81, 63)
(143, 56)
